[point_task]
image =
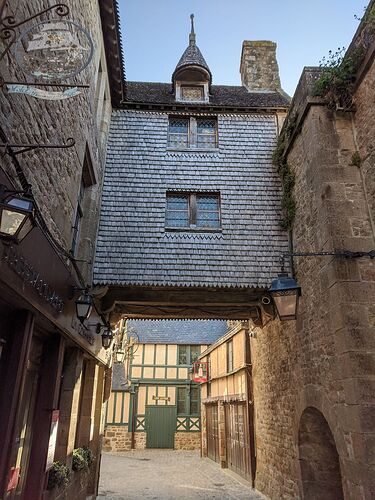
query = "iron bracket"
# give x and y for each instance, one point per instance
(70, 142)
(9, 24)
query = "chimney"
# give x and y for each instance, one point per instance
(259, 69)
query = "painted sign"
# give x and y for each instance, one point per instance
(52, 438)
(31, 276)
(42, 94)
(161, 398)
(14, 477)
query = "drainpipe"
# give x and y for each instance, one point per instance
(134, 417)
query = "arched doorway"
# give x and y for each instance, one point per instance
(319, 460)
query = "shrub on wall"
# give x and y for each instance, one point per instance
(58, 476)
(82, 459)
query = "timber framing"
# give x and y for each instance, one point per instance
(184, 303)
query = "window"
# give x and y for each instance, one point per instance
(230, 356)
(187, 354)
(188, 400)
(200, 133)
(192, 93)
(193, 211)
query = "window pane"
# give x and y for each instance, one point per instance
(181, 400)
(194, 400)
(178, 132)
(177, 219)
(194, 353)
(206, 133)
(182, 355)
(178, 125)
(206, 126)
(177, 202)
(207, 202)
(208, 219)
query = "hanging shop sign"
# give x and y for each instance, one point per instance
(31, 277)
(42, 94)
(54, 50)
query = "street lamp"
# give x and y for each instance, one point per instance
(16, 214)
(119, 355)
(107, 337)
(285, 292)
(84, 306)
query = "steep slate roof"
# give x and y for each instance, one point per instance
(178, 332)
(192, 57)
(221, 95)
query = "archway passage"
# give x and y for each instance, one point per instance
(319, 460)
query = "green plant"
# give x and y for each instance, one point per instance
(336, 79)
(58, 476)
(288, 202)
(82, 459)
(356, 160)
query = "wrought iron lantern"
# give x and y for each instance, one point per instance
(107, 337)
(285, 292)
(119, 355)
(16, 214)
(84, 306)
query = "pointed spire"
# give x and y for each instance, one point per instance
(192, 33)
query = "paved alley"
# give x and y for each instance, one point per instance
(167, 474)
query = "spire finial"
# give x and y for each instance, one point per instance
(192, 33)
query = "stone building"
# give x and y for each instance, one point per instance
(314, 378)
(54, 371)
(154, 403)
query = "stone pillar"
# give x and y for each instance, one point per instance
(69, 404)
(259, 69)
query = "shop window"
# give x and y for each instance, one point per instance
(193, 211)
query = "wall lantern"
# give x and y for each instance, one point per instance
(16, 214)
(84, 306)
(285, 292)
(107, 337)
(119, 355)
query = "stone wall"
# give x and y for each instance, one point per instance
(55, 174)
(324, 362)
(187, 440)
(117, 439)
(259, 69)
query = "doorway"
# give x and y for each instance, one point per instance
(160, 422)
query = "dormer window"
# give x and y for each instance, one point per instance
(192, 92)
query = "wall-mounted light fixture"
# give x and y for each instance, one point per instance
(107, 335)
(84, 305)
(16, 213)
(285, 290)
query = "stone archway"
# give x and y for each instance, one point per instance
(319, 460)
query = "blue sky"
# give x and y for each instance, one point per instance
(155, 34)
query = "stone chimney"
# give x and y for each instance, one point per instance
(259, 69)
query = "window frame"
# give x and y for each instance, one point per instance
(192, 134)
(189, 357)
(192, 211)
(230, 360)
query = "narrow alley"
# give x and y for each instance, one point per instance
(168, 474)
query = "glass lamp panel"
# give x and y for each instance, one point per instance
(83, 310)
(25, 229)
(21, 203)
(11, 221)
(286, 304)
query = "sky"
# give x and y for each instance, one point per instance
(155, 33)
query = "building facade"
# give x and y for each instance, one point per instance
(227, 403)
(314, 378)
(54, 371)
(154, 403)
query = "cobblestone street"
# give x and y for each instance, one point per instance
(167, 474)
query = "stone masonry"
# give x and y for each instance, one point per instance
(259, 69)
(323, 364)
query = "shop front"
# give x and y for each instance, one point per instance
(52, 370)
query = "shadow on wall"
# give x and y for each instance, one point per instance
(319, 460)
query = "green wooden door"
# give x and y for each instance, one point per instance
(160, 426)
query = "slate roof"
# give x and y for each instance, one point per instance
(192, 57)
(178, 332)
(221, 95)
(133, 245)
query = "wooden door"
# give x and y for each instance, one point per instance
(212, 432)
(237, 439)
(160, 423)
